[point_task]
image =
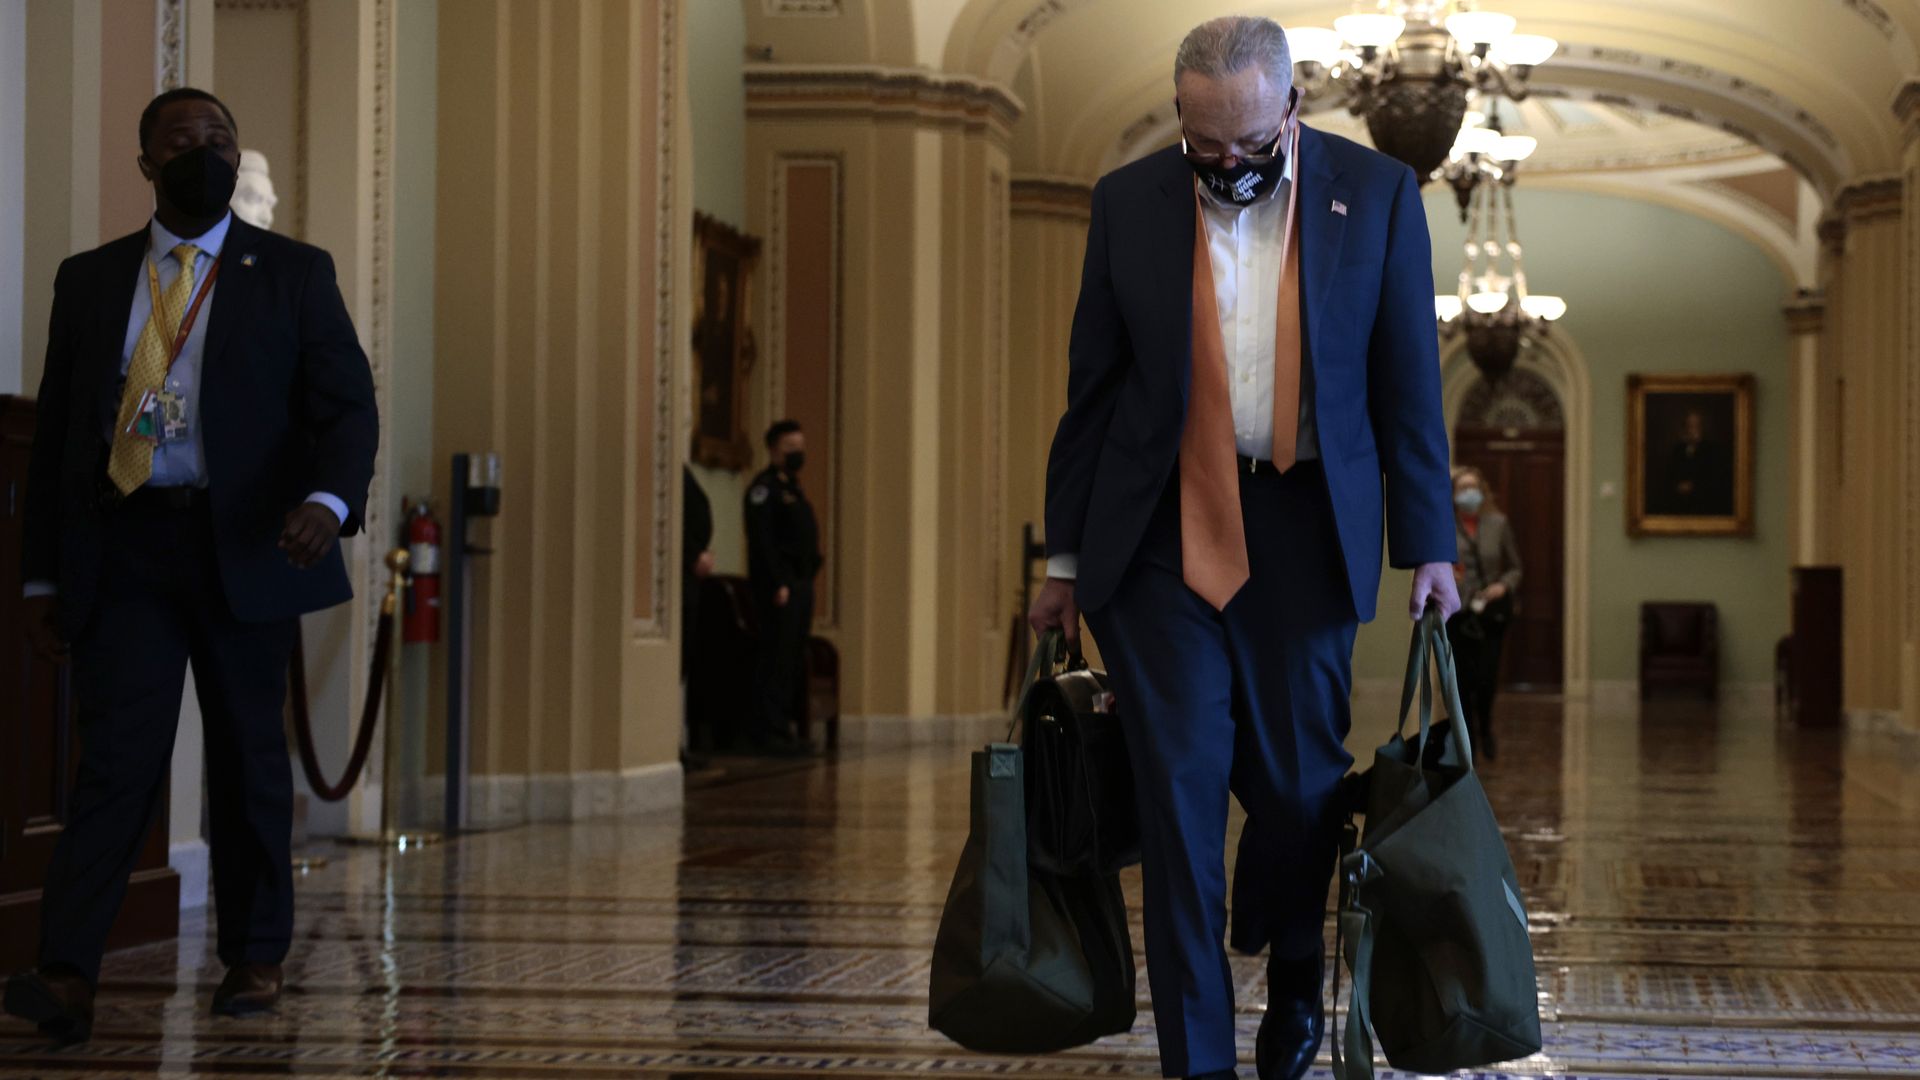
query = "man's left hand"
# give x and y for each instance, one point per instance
(309, 534)
(1434, 583)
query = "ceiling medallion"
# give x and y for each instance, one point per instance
(1408, 67)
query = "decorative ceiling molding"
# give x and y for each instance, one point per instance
(170, 45)
(802, 8)
(1806, 313)
(826, 92)
(1874, 14)
(1051, 196)
(1872, 199)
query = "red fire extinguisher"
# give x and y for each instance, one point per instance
(423, 562)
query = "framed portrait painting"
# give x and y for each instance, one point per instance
(723, 346)
(1690, 455)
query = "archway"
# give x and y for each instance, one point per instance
(1556, 362)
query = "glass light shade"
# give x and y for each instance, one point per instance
(1515, 147)
(1378, 31)
(1477, 141)
(1544, 307)
(1524, 50)
(1481, 27)
(1474, 118)
(1446, 308)
(1314, 45)
(1487, 303)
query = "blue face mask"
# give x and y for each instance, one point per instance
(1469, 499)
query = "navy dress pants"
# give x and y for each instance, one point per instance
(1251, 701)
(161, 609)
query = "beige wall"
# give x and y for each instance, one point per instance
(559, 339)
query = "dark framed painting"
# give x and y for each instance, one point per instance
(1690, 455)
(724, 260)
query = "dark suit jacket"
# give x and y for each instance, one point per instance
(286, 409)
(1367, 300)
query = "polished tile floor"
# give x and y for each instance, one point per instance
(1710, 897)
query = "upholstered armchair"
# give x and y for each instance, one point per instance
(1680, 646)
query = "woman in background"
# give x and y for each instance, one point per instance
(1489, 575)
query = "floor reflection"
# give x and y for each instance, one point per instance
(1710, 895)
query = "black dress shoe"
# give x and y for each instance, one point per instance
(1217, 1074)
(248, 989)
(1290, 1034)
(59, 1001)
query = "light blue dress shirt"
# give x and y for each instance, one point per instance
(181, 463)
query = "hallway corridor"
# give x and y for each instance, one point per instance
(1709, 898)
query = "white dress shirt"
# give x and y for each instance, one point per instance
(1245, 245)
(181, 463)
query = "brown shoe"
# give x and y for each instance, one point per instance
(248, 989)
(60, 1001)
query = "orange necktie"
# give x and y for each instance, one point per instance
(1213, 539)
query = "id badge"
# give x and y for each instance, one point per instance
(145, 425)
(171, 411)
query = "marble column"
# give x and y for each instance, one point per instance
(909, 169)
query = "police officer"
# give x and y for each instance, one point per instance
(783, 555)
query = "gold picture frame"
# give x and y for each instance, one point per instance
(724, 262)
(1690, 455)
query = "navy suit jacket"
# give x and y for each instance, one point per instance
(286, 407)
(1368, 334)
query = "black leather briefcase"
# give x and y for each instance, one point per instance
(1081, 816)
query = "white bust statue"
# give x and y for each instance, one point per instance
(253, 197)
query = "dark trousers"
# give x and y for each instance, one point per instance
(780, 664)
(1252, 701)
(1477, 642)
(162, 608)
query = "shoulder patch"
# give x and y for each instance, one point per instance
(758, 494)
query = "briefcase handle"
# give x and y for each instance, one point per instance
(1050, 654)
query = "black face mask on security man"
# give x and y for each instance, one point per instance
(795, 461)
(199, 183)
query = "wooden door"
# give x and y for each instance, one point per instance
(39, 751)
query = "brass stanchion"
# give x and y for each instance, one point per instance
(390, 834)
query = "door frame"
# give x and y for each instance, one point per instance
(1559, 361)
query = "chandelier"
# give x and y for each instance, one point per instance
(1492, 306)
(1483, 154)
(1408, 66)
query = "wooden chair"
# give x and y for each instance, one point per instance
(1680, 646)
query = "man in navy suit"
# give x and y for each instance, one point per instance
(206, 433)
(1254, 384)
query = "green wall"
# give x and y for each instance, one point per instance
(1650, 290)
(717, 98)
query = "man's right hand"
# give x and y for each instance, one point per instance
(1054, 609)
(42, 631)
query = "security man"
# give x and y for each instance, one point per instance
(783, 555)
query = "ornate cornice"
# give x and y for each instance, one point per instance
(1047, 196)
(828, 92)
(1806, 313)
(1832, 231)
(1870, 199)
(1906, 107)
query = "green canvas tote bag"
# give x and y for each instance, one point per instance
(1026, 961)
(1431, 923)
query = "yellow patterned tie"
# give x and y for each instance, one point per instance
(131, 463)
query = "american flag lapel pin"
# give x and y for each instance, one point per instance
(1340, 208)
(249, 260)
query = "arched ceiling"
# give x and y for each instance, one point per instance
(1810, 81)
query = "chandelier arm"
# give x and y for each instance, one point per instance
(1514, 248)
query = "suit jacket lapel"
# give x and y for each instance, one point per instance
(1172, 261)
(1322, 229)
(232, 294)
(124, 269)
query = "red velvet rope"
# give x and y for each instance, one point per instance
(303, 724)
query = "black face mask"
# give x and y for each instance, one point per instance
(795, 461)
(199, 183)
(1244, 183)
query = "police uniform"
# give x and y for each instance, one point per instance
(783, 551)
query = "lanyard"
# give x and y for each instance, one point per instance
(193, 309)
